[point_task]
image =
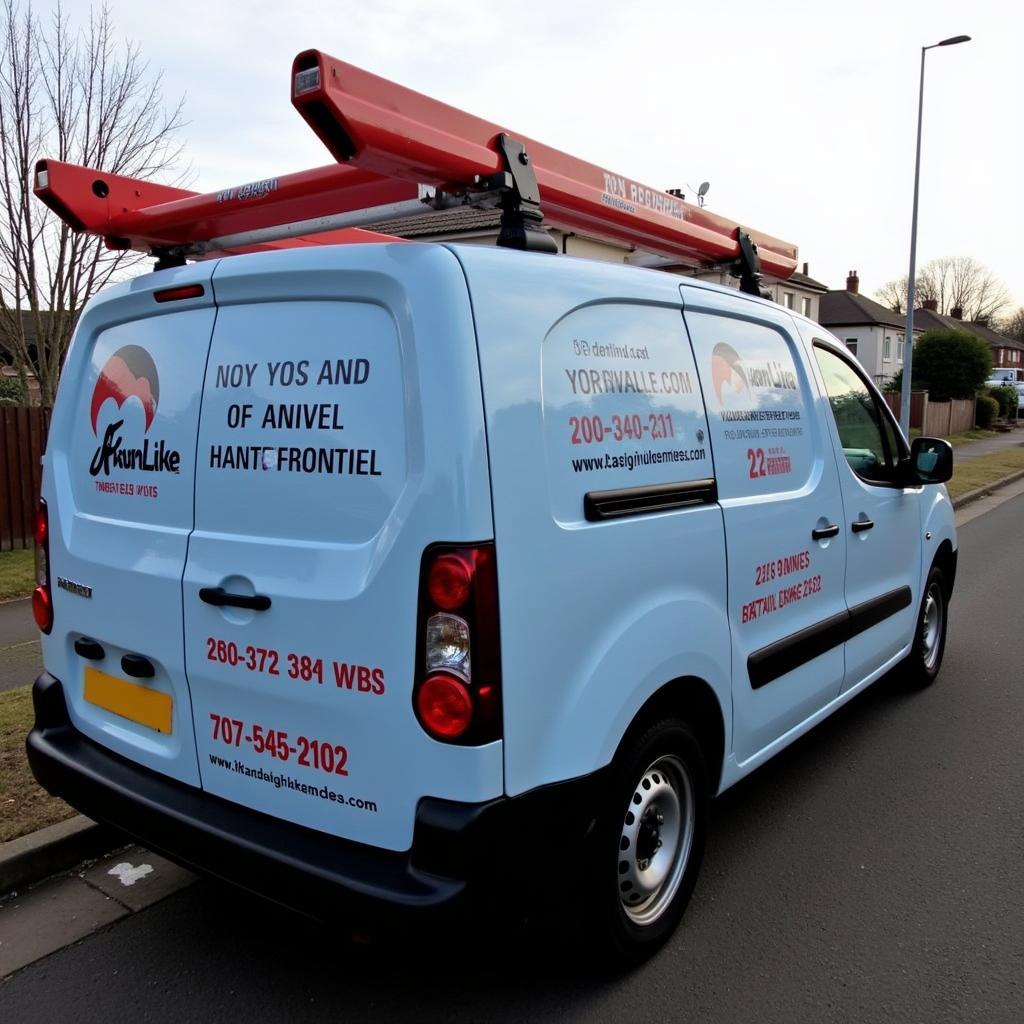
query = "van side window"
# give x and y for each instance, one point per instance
(868, 440)
(758, 403)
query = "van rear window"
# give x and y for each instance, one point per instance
(303, 422)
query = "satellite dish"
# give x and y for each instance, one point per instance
(704, 186)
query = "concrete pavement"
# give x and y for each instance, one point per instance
(16, 623)
(20, 654)
(69, 907)
(989, 445)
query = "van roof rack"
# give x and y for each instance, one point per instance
(400, 153)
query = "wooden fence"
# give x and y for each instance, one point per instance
(935, 419)
(946, 418)
(22, 442)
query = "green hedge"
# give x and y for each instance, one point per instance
(986, 410)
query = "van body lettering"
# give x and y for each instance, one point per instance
(152, 457)
(235, 375)
(363, 678)
(294, 416)
(344, 371)
(288, 374)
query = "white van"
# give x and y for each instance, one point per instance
(371, 573)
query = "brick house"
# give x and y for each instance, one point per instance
(873, 333)
(1006, 353)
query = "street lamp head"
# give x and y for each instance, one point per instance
(953, 40)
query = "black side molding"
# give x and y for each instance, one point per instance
(769, 663)
(632, 501)
(871, 613)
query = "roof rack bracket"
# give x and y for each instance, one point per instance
(167, 257)
(522, 220)
(747, 266)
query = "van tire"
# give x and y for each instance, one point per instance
(925, 659)
(656, 807)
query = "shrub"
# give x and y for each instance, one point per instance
(12, 392)
(985, 411)
(1007, 399)
(951, 364)
(894, 383)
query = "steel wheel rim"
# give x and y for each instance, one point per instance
(931, 627)
(655, 840)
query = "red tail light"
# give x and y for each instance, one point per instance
(42, 608)
(41, 527)
(458, 660)
(445, 706)
(449, 581)
(42, 603)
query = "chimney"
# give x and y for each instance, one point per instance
(957, 313)
(853, 282)
(932, 304)
(805, 271)
(983, 320)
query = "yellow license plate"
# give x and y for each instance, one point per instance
(129, 700)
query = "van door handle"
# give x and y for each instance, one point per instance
(86, 647)
(138, 666)
(861, 525)
(826, 531)
(219, 596)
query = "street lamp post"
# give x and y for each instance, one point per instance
(908, 340)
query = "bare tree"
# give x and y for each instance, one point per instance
(1012, 326)
(893, 295)
(85, 98)
(952, 282)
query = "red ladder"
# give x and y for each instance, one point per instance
(402, 153)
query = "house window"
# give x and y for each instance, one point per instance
(851, 344)
(805, 306)
(887, 349)
(899, 348)
(787, 299)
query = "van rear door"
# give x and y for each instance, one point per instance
(341, 435)
(119, 490)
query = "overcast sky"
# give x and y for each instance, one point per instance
(800, 114)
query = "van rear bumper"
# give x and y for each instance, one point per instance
(456, 852)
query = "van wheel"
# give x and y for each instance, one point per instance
(648, 844)
(925, 659)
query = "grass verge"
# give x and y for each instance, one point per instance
(17, 574)
(985, 469)
(24, 806)
(971, 435)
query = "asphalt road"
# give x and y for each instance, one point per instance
(872, 872)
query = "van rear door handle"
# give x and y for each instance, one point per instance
(86, 647)
(138, 666)
(219, 596)
(826, 531)
(861, 525)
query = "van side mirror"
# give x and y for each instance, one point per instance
(931, 460)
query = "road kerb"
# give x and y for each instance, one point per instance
(980, 492)
(56, 848)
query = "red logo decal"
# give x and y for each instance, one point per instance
(727, 368)
(129, 373)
